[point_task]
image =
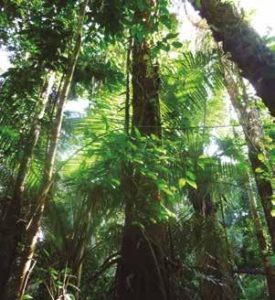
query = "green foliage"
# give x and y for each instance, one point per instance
(174, 179)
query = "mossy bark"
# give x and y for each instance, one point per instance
(142, 271)
(247, 49)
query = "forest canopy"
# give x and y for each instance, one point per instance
(137, 150)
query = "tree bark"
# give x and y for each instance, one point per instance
(268, 268)
(247, 48)
(254, 135)
(142, 270)
(11, 224)
(33, 226)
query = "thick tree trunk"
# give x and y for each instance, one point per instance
(247, 48)
(33, 226)
(142, 270)
(268, 268)
(253, 131)
(146, 109)
(11, 224)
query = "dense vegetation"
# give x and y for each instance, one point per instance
(135, 164)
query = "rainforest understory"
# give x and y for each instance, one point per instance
(137, 158)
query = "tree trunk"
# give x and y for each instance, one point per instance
(11, 224)
(247, 48)
(268, 268)
(142, 270)
(251, 125)
(32, 229)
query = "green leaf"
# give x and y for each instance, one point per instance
(259, 170)
(192, 184)
(182, 182)
(171, 36)
(177, 44)
(261, 157)
(168, 212)
(164, 47)
(165, 20)
(190, 175)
